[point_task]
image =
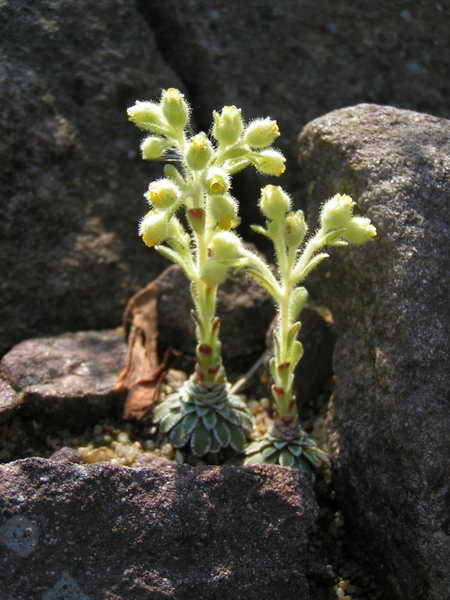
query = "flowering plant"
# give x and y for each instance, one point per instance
(287, 444)
(204, 414)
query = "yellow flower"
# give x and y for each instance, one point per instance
(270, 162)
(261, 133)
(162, 193)
(154, 228)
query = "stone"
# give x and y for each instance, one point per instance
(66, 378)
(72, 178)
(9, 400)
(103, 531)
(390, 420)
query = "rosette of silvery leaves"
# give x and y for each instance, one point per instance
(206, 421)
(301, 452)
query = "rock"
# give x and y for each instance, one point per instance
(295, 61)
(245, 310)
(66, 455)
(72, 179)
(66, 378)
(391, 418)
(9, 400)
(102, 531)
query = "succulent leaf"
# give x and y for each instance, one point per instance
(179, 435)
(209, 420)
(295, 450)
(200, 440)
(254, 459)
(161, 411)
(286, 459)
(169, 421)
(268, 452)
(238, 439)
(256, 446)
(222, 433)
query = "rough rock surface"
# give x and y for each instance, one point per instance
(391, 418)
(68, 377)
(72, 180)
(88, 532)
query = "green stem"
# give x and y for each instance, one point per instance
(209, 369)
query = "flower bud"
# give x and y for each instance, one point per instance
(270, 162)
(274, 202)
(228, 125)
(336, 212)
(217, 181)
(162, 193)
(359, 230)
(175, 108)
(145, 114)
(224, 210)
(199, 152)
(153, 147)
(197, 219)
(261, 133)
(296, 229)
(154, 228)
(226, 244)
(214, 272)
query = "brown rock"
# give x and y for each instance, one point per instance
(69, 377)
(72, 180)
(173, 532)
(391, 419)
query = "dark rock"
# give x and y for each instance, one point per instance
(294, 61)
(391, 418)
(172, 532)
(67, 378)
(72, 180)
(245, 310)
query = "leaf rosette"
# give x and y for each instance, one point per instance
(206, 421)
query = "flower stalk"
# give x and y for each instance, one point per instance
(204, 415)
(287, 444)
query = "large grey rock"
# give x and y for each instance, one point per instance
(295, 61)
(391, 419)
(90, 532)
(72, 181)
